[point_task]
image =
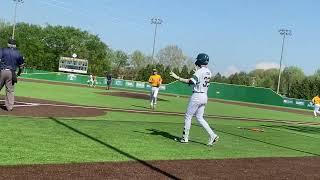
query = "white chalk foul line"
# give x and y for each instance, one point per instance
(23, 104)
(28, 103)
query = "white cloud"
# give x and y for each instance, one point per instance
(231, 70)
(261, 65)
(267, 65)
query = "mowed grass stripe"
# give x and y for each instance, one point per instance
(308, 131)
(34, 141)
(89, 97)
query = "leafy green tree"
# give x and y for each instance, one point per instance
(241, 78)
(166, 75)
(185, 72)
(144, 73)
(43, 46)
(217, 77)
(289, 75)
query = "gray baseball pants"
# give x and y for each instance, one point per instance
(6, 80)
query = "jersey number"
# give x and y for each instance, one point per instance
(206, 82)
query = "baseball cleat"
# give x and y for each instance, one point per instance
(213, 140)
(182, 140)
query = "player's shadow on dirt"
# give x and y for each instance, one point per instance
(115, 149)
(156, 132)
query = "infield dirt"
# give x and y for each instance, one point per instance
(251, 168)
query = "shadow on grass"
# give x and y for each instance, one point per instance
(143, 107)
(150, 166)
(269, 143)
(304, 129)
(156, 132)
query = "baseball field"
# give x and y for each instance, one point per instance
(62, 131)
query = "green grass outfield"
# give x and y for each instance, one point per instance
(124, 136)
(89, 96)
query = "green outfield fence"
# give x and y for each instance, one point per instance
(83, 79)
(248, 94)
(230, 92)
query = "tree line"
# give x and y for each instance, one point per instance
(43, 46)
(294, 83)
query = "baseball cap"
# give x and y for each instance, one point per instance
(12, 41)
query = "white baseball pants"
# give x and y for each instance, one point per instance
(197, 104)
(316, 109)
(154, 95)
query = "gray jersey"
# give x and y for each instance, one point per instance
(201, 80)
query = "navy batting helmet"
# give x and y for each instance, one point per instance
(202, 59)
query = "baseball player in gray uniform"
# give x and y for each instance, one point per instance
(200, 82)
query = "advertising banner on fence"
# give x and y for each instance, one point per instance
(163, 87)
(118, 82)
(290, 102)
(140, 85)
(129, 84)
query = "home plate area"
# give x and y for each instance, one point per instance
(31, 107)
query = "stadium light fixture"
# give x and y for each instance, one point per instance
(283, 33)
(155, 21)
(15, 15)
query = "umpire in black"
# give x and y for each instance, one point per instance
(10, 60)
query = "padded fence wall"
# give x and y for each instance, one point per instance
(83, 79)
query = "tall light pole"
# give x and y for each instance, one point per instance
(155, 21)
(283, 33)
(15, 15)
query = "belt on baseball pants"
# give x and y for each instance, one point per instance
(196, 92)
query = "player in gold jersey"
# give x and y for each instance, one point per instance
(316, 102)
(155, 82)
